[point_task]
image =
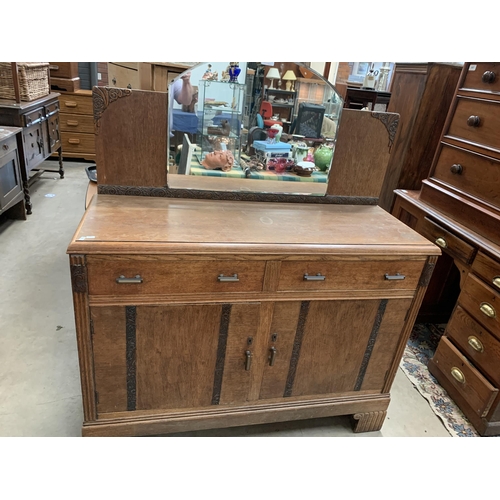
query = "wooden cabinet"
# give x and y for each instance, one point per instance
(39, 120)
(11, 185)
(77, 124)
(422, 116)
(184, 329)
(458, 208)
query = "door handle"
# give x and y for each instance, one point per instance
(248, 362)
(272, 357)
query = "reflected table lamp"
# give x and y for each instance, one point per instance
(273, 74)
(290, 78)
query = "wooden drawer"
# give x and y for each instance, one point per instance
(472, 173)
(70, 122)
(349, 275)
(80, 104)
(52, 108)
(466, 379)
(123, 77)
(476, 342)
(488, 269)
(33, 117)
(481, 302)
(172, 277)
(479, 77)
(485, 131)
(446, 240)
(75, 142)
(8, 145)
(64, 69)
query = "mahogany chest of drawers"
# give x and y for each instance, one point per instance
(197, 314)
(458, 208)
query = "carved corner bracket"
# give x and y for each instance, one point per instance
(102, 97)
(391, 122)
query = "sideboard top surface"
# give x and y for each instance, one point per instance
(130, 224)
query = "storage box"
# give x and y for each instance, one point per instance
(33, 80)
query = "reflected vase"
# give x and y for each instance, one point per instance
(234, 72)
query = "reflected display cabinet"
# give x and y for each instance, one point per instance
(220, 117)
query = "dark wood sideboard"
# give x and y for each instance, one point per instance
(39, 120)
(458, 208)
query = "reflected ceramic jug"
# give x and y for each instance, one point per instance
(323, 157)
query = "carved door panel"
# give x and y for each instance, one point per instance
(34, 145)
(54, 135)
(170, 356)
(320, 355)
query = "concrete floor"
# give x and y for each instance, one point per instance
(39, 377)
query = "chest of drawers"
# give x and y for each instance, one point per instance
(196, 314)
(77, 124)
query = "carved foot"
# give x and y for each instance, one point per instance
(368, 422)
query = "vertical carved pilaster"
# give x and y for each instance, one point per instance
(130, 332)
(221, 352)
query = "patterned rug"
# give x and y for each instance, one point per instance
(420, 348)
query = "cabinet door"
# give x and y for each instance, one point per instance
(333, 347)
(34, 145)
(54, 136)
(10, 181)
(171, 356)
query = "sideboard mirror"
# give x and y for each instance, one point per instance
(138, 134)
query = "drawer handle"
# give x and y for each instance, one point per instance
(441, 242)
(72, 123)
(473, 121)
(488, 310)
(456, 169)
(272, 357)
(124, 280)
(248, 362)
(74, 141)
(458, 375)
(234, 277)
(318, 277)
(475, 343)
(70, 104)
(488, 77)
(5, 147)
(496, 281)
(396, 276)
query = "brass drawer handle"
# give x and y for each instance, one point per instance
(488, 310)
(272, 357)
(496, 281)
(488, 77)
(475, 343)
(396, 276)
(70, 104)
(72, 123)
(473, 121)
(234, 277)
(456, 168)
(123, 280)
(248, 362)
(441, 242)
(74, 141)
(458, 375)
(318, 277)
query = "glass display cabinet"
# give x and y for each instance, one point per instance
(220, 116)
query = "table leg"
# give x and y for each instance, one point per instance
(61, 167)
(27, 198)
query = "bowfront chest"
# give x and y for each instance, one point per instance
(197, 314)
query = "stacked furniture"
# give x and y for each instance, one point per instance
(64, 76)
(199, 307)
(458, 208)
(77, 124)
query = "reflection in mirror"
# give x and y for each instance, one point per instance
(266, 124)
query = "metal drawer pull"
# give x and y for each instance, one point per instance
(458, 375)
(456, 168)
(318, 277)
(473, 121)
(488, 77)
(272, 358)
(5, 147)
(496, 281)
(122, 279)
(248, 362)
(488, 310)
(234, 277)
(441, 242)
(396, 276)
(475, 343)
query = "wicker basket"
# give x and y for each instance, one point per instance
(33, 80)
